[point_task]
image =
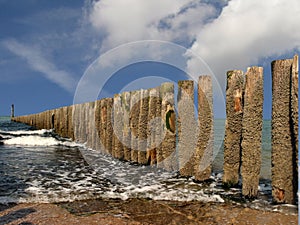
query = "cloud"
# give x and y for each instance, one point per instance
(246, 32)
(225, 34)
(39, 63)
(134, 20)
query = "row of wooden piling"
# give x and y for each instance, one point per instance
(243, 133)
(142, 126)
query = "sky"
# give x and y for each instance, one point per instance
(49, 48)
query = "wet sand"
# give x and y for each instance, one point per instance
(139, 211)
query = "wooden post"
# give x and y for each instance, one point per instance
(90, 124)
(153, 123)
(109, 126)
(205, 145)
(168, 147)
(187, 128)
(75, 120)
(252, 131)
(126, 126)
(70, 122)
(118, 151)
(284, 124)
(134, 120)
(233, 130)
(103, 124)
(159, 131)
(143, 124)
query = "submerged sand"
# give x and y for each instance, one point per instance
(139, 211)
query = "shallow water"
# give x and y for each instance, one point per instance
(39, 166)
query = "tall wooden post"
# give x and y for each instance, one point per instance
(126, 125)
(159, 131)
(153, 123)
(143, 124)
(284, 124)
(205, 142)
(109, 125)
(134, 120)
(168, 147)
(252, 131)
(118, 151)
(233, 130)
(187, 127)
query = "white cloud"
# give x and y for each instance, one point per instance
(132, 20)
(38, 62)
(244, 32)
(247, 31)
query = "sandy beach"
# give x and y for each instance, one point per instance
(139, 211)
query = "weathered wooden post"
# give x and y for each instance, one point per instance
(252, 131)
(70, 122)
(126, 126)
(187, 128)
(118, 151)
(233, 130)
(75, 120)
(99, 145)
(142, 127)
(205, 145)
(90, 123)
(153, 123)
(284, 122)
(103, 125)
(159, 130)
(168, 147)
(109, 126)
(134, 120)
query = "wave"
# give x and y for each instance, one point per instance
(35, 138)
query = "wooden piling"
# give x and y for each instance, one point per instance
(168, 114)
(142, 127)
(159, 129)
(126, 140)
(153, 123)
(70, 132)
(103, 125)
(252, 131)
(118, 151)
(187, 128)
(134, 121)
(109, 126)
(233, 129)
(205, 142)
(284, 113)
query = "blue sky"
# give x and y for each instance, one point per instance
(47, 46)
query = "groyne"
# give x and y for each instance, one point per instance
(145, 127)
(141, 127)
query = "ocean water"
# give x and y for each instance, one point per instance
(39, 166)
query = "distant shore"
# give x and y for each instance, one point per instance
(139, 211)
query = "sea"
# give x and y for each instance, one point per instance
(38, 166)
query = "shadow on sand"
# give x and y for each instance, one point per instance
(15, 215)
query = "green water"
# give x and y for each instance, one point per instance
(219, 130)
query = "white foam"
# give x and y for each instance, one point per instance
(32, 141)
(39, 141)
(27, 132)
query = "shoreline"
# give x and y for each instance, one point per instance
(139, 211)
